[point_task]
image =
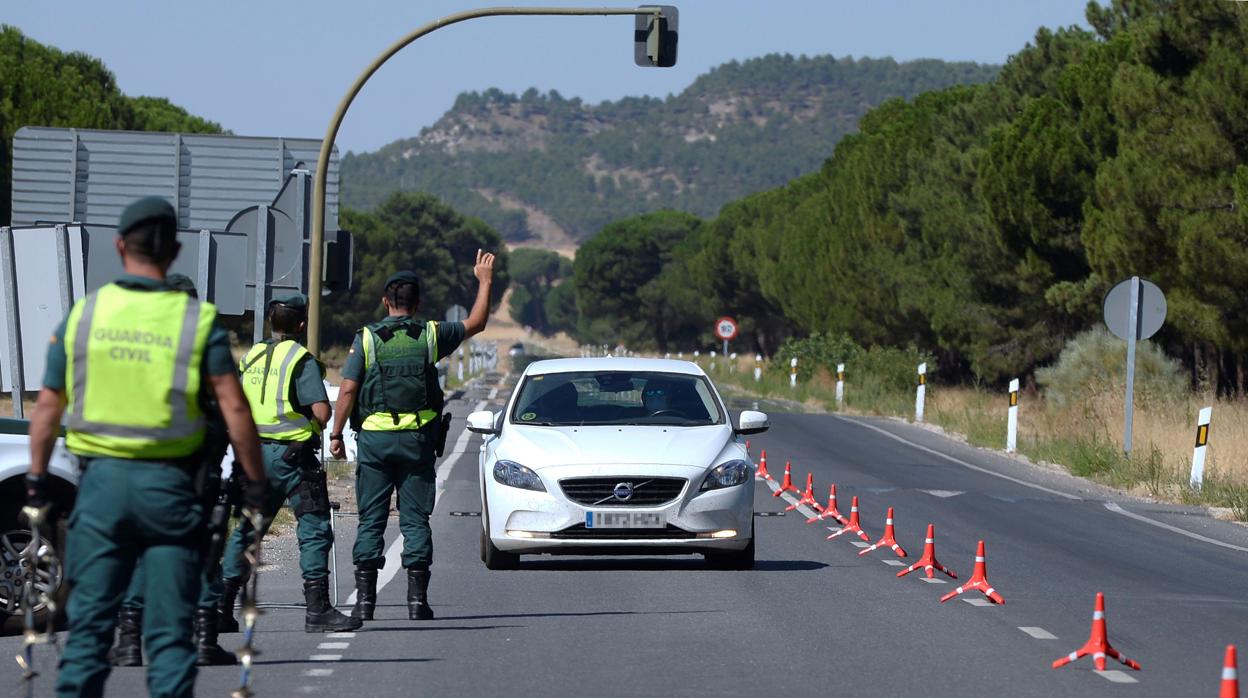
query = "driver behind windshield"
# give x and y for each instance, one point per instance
(656, 396)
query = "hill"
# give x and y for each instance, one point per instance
(539, 165)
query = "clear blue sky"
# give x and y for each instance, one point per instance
(278, 67)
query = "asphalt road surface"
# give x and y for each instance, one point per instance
(814, 618)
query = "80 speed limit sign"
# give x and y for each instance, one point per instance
(726, 328)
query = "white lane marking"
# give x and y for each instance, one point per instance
(333, 645)
(978, 601)
(860, 544)
(444, 470)
(952, 459)
(318, 672)
(1038, 633)
(325, 657)
(895, 563)
(931, 580)
(1195, 536)
(493, 393)
(1117, 676)
(346, 636)
(943, 493)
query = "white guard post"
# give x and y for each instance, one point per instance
(758, 367)
(460, 371)
(1202, 445)
(840, 385)
(733, 365)
(920, 393)
(1011, 432)
(793, 372)
(712, 361)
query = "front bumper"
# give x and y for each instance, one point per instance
(528, 521)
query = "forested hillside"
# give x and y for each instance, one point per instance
(43, 86)
(559, 169)
(986, 222)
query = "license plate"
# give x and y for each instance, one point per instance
(624, 519)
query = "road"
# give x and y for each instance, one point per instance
(814, 617)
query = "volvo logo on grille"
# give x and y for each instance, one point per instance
(623, 491)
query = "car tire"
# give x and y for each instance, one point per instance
(494, 558)
(733, 559)
(15, 624)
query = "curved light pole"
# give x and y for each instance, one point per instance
(315, 261)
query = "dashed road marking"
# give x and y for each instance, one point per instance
(894, 563)
(931, 580)
(943, 493)
(336, 636)
(493, 394)
(978, 602)
(318, 672)
(333, 645)
(858, 543)
(1117, 676)
(1038, 633)
(325, 657)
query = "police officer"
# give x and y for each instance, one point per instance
(128, 651)
(285, 386)
(129, 363)
(390, 389)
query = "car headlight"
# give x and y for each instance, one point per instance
(730, 474)
(513, 474)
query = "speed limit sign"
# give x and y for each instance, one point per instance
(726, 328)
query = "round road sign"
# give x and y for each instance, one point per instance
(726, 328)
(1150, 313)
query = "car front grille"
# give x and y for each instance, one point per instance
(580, 532)
(600, 491)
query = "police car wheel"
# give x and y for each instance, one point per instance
(733, 559)
(13, 574)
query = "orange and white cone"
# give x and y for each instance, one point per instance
(888, 541)
(787, 485)
(830, 511)
(808, 497)
(853, 525)
(928, 562)
(978, 580)
(1230, 675)
(1098, 644)
(762, 473)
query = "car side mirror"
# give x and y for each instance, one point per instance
(751, 422)
(482, 422)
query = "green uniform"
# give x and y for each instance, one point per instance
(132, 358)
(397, 413)
(282, 381)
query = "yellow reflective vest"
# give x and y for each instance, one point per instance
(267, 371)
(132, 369)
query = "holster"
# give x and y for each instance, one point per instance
(444, 428)
(313, 487)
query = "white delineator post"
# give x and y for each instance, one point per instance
(712, 361)
(1011, 432)
(758, 367)
(920, 393)
(460, 371)
(1202, 444)
(840, 385)
(793, 372)
(733, 365)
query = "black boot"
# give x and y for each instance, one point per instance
(418, 595)
(225, 609)
(365, 594)
(129, 649)
(207, 651)
(322, 617)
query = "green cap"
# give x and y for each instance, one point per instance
(149, 208)
(183, 283)
(295, 300)
(402, 277)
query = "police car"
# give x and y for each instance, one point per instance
(616, 456)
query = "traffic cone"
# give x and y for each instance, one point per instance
(762, 473)
(928, 561)
(1098, 644)
(1230, 675)
(830, 511)
(808, 497)
(747, 448)
(978, 580)
(852, 526)
(787, 485)
(888, 541)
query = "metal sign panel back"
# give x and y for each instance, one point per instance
(1118, 309)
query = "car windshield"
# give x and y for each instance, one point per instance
(593, 398)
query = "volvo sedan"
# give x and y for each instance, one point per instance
(616, 456)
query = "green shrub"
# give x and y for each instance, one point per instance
(815, 352)
(1094, 364)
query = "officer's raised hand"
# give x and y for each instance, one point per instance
(480, 314)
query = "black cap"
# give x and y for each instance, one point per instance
(295, 300)
(183, 283)
(402, 277)
(149, 208)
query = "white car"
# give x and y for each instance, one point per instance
(616, 456)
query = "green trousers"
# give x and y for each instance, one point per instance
(312, 529)
(129, 511)
(209, 590)
(390, 461)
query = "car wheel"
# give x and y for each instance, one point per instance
(733, 559)
(494, 558)
(50, 579)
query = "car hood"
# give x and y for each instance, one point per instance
(539, 447)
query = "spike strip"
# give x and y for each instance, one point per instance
(1230, 675)
(1098, 643)
(830, 511)
(808, 497)
(762, 473)
(787, 484)
(853, 526)
(978, 581)
(889, 540)
(928, 562)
